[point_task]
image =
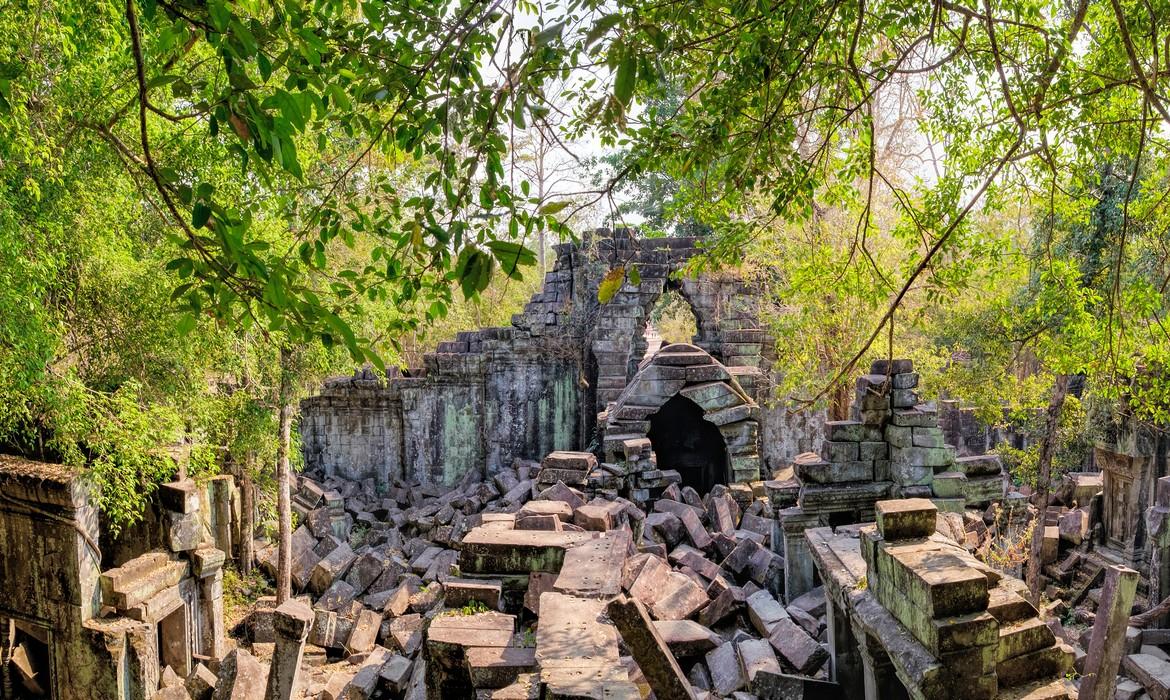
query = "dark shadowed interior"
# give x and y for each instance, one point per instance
(682, 440)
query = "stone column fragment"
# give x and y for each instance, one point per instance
(291, 622)
(1108, 641)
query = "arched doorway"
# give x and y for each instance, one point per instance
(684, 441)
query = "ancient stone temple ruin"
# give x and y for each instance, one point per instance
(563, 510)
(544, 383)
(79, 626)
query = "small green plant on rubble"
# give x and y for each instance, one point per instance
(357, 535)
(473, 607)
(525, 639)
(862, 583)
(240, 593)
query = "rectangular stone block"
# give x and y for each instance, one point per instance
(905, 518)
(179, 496)
(927, 437)
(915, 417)
(922, 456)
(843, 431)
(870, 451)
(839, 451)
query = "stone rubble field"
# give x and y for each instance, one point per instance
(521, 586)
(531, 585)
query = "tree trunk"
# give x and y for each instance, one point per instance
(283, 504)
(1143, 620)
(248, 506)
(1043, 479)
(7, 647)
(839, 402)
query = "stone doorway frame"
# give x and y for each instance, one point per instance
(681, 369)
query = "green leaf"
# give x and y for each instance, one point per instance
(553, 207)
(635, 276)
(602, 26)
(610, 284)
(200, 213)
(186, 324)
(627, 74)
(512, 256)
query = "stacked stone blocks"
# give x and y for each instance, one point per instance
(982, 632)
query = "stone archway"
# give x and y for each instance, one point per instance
(677, 377)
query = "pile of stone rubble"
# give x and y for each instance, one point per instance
(522, 586)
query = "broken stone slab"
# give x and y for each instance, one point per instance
(680, 598)
(595, 517)
(764, 611)
(812, 602)
(495, 552)
(365, 680)
(499, 667)
(464, 591)
(594, 568)
(561, 492)
(449, 637)
(757, 656)
(648, 648)
(558, 508)
(687, 638)
(331, 567)
(563, 459)
(407, 632)
(366, 569)
(365, 631)
(548, 523)
(666, 528)
(728, 602)
(241, 677)
(695, 560)
(651, 581)
(572, 632)
(720, 513)
(200, 683)
(337, 597)
(726, 672)
(395, 675)
(793, 644)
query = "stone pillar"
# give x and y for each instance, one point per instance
(845, 664)
(1158, 527)
(207, 564)
(881, 681)
(220, 490)
(799, 569)
(1108, 641)
(142, 654)
(291, 624)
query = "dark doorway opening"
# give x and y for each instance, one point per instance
(682, 440)
(173, 646)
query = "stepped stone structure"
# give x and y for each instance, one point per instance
(893, 448)
(913, 615)
(498, 394)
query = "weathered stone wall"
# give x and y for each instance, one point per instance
(1132, 457)
(49, 572)
(53, 587)
(497, 394)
